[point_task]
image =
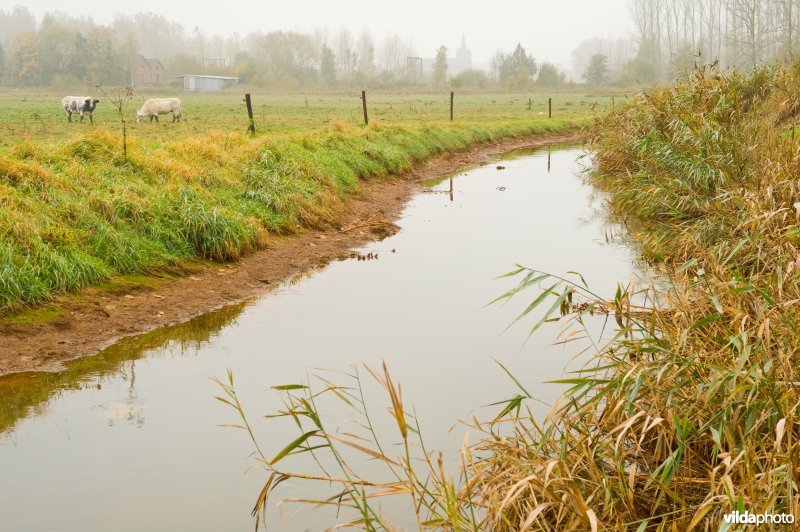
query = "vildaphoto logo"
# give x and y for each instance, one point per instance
(747, 518)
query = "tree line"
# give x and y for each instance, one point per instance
(668, 39)
(671, 37)
(674, 35)
(63, 50)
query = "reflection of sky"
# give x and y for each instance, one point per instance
(151, 455)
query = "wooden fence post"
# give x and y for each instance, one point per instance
(252, 127)
(549, 108)
(364, 105)
(451, 105)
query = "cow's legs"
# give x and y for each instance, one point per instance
(91, 120)
(156, 119)
(69, 115)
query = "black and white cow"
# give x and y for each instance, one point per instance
(83, 105)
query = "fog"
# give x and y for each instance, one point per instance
(547, 29)
(313, 45)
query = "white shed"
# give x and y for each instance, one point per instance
(203, 83)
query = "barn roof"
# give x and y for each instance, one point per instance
(153, 62)
(206, 76)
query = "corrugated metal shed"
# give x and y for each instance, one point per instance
(203, 83)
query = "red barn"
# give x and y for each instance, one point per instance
(147, 71)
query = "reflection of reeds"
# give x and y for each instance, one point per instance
(691, 410)
(26, 394)
(413, 472)
(479, 497)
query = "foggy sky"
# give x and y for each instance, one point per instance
(548, 29)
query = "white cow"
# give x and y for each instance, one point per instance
(83, 105)
(159, 106)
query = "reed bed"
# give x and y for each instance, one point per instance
(691, 410)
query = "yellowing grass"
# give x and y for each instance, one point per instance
(75, 210)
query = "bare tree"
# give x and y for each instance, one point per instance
(119, 97)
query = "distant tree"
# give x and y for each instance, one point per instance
(56, 50)
(495, 64)
(157, 35)
(327, 65)
(550, 76)
(597, 71)
(345, 54)
(646, 63)
(470, 78)
(244, 66)
(639, 70)
(683, 61)
(366, 57)
(107, 63)
(517, 69)
(440, 66)
(26, 69)
(2, 63)
(286, 59)
(392, 57)
(130, 51)
(183, 63)
(79, 66)
(15, 21)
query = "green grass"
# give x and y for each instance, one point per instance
(38, 116)
(74, 212)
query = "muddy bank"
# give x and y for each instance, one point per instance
(81, 324)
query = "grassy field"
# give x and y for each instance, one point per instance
(74, 211)
(25, 115)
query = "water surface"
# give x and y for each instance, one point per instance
(130, 439)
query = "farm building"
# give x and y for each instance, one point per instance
(147, 71)
(204, 83)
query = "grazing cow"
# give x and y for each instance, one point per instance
(159, 106)
(83, 105)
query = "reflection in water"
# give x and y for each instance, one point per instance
(26, 394)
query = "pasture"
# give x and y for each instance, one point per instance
(76, 210)
(38, 116)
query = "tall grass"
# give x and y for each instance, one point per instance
(76, 211)
(691, 410)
